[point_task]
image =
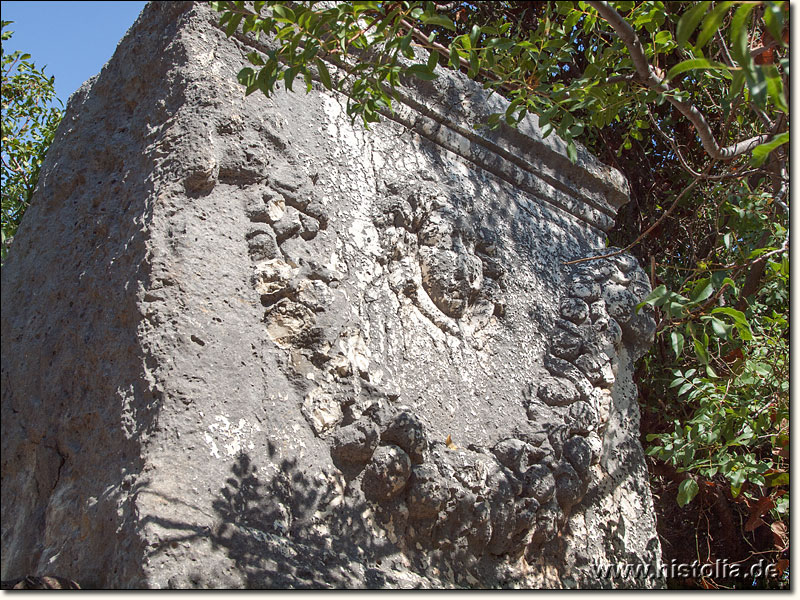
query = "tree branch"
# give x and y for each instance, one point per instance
(685, 164)
(443, 51)
(654, 81)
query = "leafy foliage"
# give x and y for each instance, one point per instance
(29, 123)
(689, 100)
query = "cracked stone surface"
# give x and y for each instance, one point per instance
(247, 344)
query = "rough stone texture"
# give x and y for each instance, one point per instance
(238, 334)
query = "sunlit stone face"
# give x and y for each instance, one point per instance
(313, 354)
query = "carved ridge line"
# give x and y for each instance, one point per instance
(498, 172)
(508, 155)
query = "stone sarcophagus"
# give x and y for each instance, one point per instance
(248, 344)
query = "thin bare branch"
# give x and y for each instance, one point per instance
(685, 164)
(660, 220)
(654, 81)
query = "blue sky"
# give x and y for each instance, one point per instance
(73, 40)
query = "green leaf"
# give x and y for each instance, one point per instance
(696, 63)
(721, 330)
(324, 75)
(474, 34)
(663, 37)
(738, 34)
(701, 351)
(677, 341)
(775, 88)
(780, 479)
(572, 152)
(702, 290)
(736, 315)
(687, 490)
(289, 75)
(455, 62)
(676, 309)
(737, 83)
(737, 479)
(761, 151)
(438, 21)
(230, 29)
(284, 13)
(246, 76)
(474, 64)
(433, 60)
(773, 18)
(712, 23)
(421, 71)
(500, 44)
(689, 22)
(656, 298)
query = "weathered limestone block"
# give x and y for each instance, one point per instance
(248, 344)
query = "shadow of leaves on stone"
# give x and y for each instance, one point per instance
(283, 532)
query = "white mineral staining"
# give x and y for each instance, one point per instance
(322, 410)
(272, 277)
(233, 438)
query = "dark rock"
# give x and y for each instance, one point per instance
(386, 474)
(620, 303)
(579, 454)
(574, 310)
(407, 431)
(569, 486)
(638, 331)
(557, 392)
(566, 341)
(591, 366)
(355, 442)
(262, 246)
(582, 418)
(539, 483)
(585, 288)
(427, 492)
(599, 269)
(548, 522)
(564, 369)
(288, 226)
(517, 455)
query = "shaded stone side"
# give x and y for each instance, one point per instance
(297, 353)
(78, 398)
